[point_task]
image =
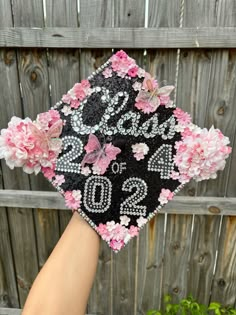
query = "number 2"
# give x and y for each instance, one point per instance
(130, 205)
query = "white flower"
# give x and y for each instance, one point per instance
(111, 225)
(124, 220)
(137, 86)
(85, 171)
(141, 221)
(66, 110)
(96, 170)
(179, 128)
(139, 150)
(141, 73)
(76, 194)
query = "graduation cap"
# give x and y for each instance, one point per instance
(116, 147)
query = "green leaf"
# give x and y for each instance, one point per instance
(214, 306)
(153, 312)
(167, 298)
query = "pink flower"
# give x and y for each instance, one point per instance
(201, 153)
(165, 195)
(59, 179)
(79, 91)
(183, 118)
(66, 98)
(133, 72)
(85, 84)
(121, 54)
(73, 199)
(103, 231)
(140, 150)
(121, 63)
(74, 103)
(48, 172)
(32, 145)
(119, 232)
(116, 245)
(145, 106)
(133, 230)
(141, 221)
(107, 73)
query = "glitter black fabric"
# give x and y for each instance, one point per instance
(92, 113)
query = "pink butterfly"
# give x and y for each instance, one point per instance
(99, 156)
(46, 139)
(152, 97)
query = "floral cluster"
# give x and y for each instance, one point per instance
(200, 153)
(33, 145)
(165, 196)
(123, 65)
(140, 150)
(183, 119)
(150, 96)
(117, 234)
(77, 94)
(73, 199)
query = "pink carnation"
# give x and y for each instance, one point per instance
(183, 118)
(121, 63)
(165, 195)
(201, 153)
(116, 245)
(133, 72)
(73, 199)
(32, 145)
(107, 73)
(133, 230)
(48, 172)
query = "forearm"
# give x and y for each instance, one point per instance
(63, 285)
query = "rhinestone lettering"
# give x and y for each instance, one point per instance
(90, 189)
(130, 205)
(64, 163)
(161, 161)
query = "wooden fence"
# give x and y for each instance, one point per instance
(47, 46)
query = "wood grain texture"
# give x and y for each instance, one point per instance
(179, 205)
(176, 256)
(150, 265)
(9, 311)
(63, 64)
(96, 37)
(128, 13)
(163, 13)
(21, 225)
(33, 76)
(98, 13)
(224, 285)
(204, 245)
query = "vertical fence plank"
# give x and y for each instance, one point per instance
(129, 13)
(224, 285)
(8, 287)
(176, 255)
(220, 109)
(150, 262)
(63, 63)
(98, 13)
(20, 220)
(202, 258)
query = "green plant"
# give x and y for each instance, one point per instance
(190, 306)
